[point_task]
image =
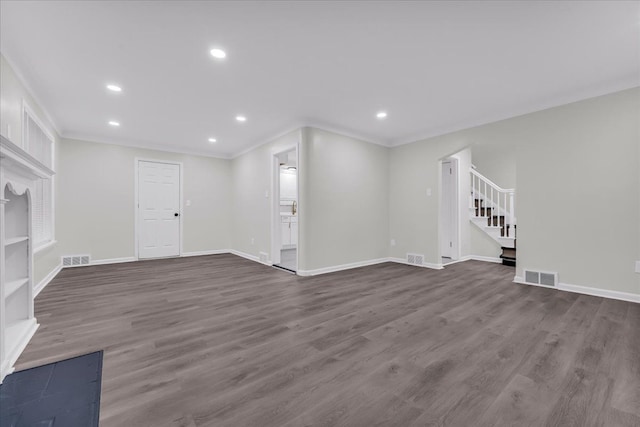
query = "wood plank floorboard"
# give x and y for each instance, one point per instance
(222, 341)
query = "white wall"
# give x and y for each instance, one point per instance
(97, 191)
(95, 185)
(575, 169)
(343, 207)
(415, 169)
(482, 245)
(344, 200)
(577, 194)
(495, 158)
(13, 93)
(251, 181)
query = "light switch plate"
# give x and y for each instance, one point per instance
(188, 202)
(637, 266)
(428, 192)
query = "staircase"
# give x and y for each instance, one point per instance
(492, 210)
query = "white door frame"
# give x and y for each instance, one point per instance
(136, 203)
(455, 238)
(274, 166)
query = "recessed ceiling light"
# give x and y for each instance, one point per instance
(241, 118)
(218, 53)
(381, 115)
(114, 123)
(114, 88)
(212, 140)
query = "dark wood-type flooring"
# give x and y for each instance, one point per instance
(222, 341)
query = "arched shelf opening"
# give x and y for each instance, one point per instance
(18, 180)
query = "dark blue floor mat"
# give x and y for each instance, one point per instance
(60, 394)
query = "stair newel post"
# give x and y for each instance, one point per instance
(473, 192)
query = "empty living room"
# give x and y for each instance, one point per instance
(319, 213)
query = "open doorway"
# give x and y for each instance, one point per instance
(285, 230)
(449, 221)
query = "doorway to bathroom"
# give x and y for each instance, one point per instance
(285, 230)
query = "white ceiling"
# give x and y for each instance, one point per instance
(434, 66)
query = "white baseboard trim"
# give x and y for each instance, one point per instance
(472, 258)
(132, 259)
(53, 273)
(389, 259)
(44, 282)
(425, 265)
(245, 255)
(521, 281)
(485, 258)
(459, 260)
(202, 253)
(8, 365)
(249, 257)
(341, 267)
(596, 292)
(108, 261)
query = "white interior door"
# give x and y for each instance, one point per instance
(448, 210)
(158, 209)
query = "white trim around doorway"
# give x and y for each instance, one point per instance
(274, 167)
(137, 161)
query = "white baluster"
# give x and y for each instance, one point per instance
(493, 207)
(506, 231)
(496, 211)
(511, 210)
(484, 197)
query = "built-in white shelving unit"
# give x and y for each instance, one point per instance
(19, 173)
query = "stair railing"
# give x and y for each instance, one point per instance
(493, 202)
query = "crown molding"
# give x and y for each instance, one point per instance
(558, 101)
(142, 145)
(267, 141)
(314, 125)
(607, 88)
(24, 82)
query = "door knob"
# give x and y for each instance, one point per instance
(176, 214)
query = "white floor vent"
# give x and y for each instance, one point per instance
(264, 257)
(415, 259)
(541, 278)
(75, 260)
